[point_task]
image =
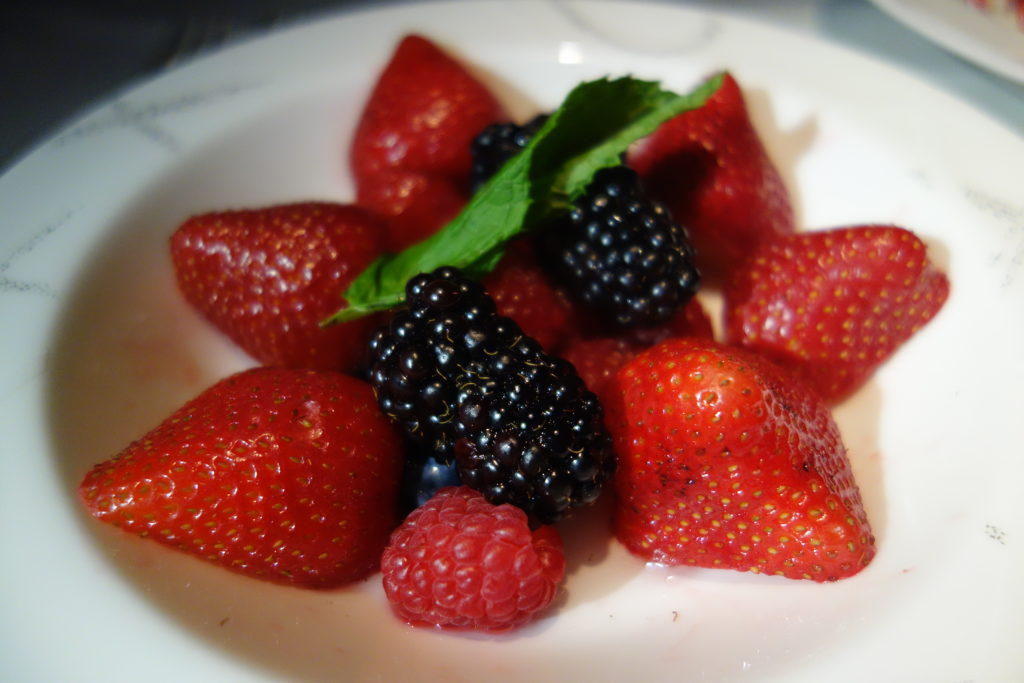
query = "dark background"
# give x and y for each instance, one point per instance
(59, 57)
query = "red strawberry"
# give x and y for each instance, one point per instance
(522, 291)
(598, 359)
(268, 277)
(460, 562)
(689, 321)
(727, 461)
(285, 475)
(421, 117)
(712, 171)
(413, 205)
(833, 305)
(422, 114)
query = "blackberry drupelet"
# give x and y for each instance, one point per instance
(621, 253)
(465, 382)
(496, 144)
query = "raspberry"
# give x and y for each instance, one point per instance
(496, 144)
(459, 562)
(468, 384)
(621, 253)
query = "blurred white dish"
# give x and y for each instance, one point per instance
(98, 347)
(989, 39)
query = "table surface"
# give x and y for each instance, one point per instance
(59, 57)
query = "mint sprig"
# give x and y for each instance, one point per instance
(590, 130)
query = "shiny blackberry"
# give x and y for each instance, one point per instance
(415, 356)
(529, 433)
(467, 383)
(621, 253)
(497, 143)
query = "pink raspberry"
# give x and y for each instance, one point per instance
(460, 562)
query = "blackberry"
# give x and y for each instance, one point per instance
(496, 144)
(621, 253)
(519, 424)
(414, 358)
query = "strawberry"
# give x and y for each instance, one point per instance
(413, 206)
(689, 321)
(422, 114)
(421, 117)
(711, 169)
(597, 359)
(835, 304)
(459, 562)
(521, 291)
(727, 461)
(267, 278)
(286, 475)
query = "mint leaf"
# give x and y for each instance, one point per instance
(595, 124)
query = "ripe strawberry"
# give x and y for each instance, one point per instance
(459, 562)
(689, 321)
(421, 117)
(727, 461)
(422, 114)
(712, 171)
(521, 291)
(833, 305)
(285, 475)
(598, 359)
(267, 278)
(413, 206)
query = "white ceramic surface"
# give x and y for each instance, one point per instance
(991, 39)
(97, 347)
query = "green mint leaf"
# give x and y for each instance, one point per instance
(595, 124)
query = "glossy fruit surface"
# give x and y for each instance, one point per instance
(285, 475)
(267, 277)
(833, 305)
(727, 461)
(410, 155)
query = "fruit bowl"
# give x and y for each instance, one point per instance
(104, 347)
